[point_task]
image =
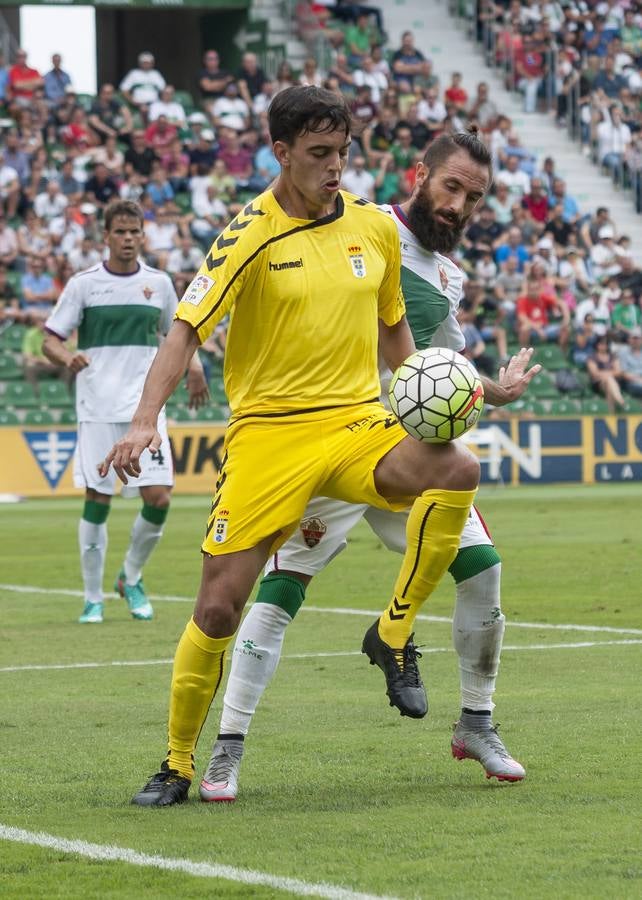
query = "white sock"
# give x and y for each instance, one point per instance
(142, 540)
(256, 655)
(478, 631)
(92, 540)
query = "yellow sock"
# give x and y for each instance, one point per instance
(435, 524)
(197, 673)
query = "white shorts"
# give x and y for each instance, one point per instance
(321, 534)
(95, 440)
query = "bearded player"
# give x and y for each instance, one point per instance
(430, 225)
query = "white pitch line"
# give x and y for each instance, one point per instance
(200, 869)
(578, 645)
(342, 611)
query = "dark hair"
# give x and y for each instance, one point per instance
(443, 147)
(123, 208)
(299, 109)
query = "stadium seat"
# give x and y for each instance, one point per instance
(12, 337)
(67, 417)
(542, 388)
(212, 414)
(179, 414)
(632, 405)
(55, 395)
(595, 406)
(183, 201)
(565, 406)
(21, 395)
(551, 356)
(8, 418)
(39, 417)
(86, 101)
(186, 100)
(10, 370)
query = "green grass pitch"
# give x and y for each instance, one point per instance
(337, 790)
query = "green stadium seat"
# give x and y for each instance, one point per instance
(10, 370)
(212, 414)
(595, 406)
(86, 101)
(551, 356)
(184, 202)
(8, 418)
(20, 394)
(542, 388)
(55, 395)
(565, 406)
(12, 337)
(39, 417)
(186, 100)
(632, 405)
(180, 414)
(67, 417)
(180, 395)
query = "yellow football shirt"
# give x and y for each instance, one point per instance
(304, 298)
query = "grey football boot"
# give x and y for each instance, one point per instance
(221, 780)
(475, 737)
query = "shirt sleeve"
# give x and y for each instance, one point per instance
(68, 312)
(392, 306)
(218, 283)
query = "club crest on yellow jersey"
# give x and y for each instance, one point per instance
(357, 262)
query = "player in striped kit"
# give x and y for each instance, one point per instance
(119, 307)
(429, 225)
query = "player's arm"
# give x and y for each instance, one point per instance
(166, 371)
(513, 379)
(197, 386)
(395, 342)
(54, 349)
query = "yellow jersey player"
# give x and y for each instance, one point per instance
(310, 277)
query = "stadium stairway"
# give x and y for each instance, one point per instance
(443, 38)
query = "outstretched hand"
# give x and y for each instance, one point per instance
(125, 455)
(516, 376)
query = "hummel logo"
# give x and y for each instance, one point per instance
(400, 610)
(291, 264)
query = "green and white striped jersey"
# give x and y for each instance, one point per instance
(432, 287)
(119, 319)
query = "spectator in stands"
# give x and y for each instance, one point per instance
(508, 287)
(311, 74)
(358, 40)
(159, 189)
(223, 182)
(604, 259)
(14, 155)
(596, 305)
(536, 201)
(409, 65)
(570, 207)
(160, 134)
(203, 154)
(482, 236)
(607, 82)
(456, 94)
(51, 202)
(358, 180)
(111, 156)
(605, 373)
(530, 70)
(237, 158)
(161, 237)
(573, 272)
(631, 35)
(515, 178)
(35, 364)
(183, 263)
(591, 225)
(84, 256)
(101, 187)
(212, 79)
(231, 110)
(139, 157)
(265, 162)
(483, 110)
(167, 105)
(432, 111)
(630, 276)
(210, 215)
(55, 81)
(23, 80)
(561, 231)
(613, 139)
(8, 244)
(9, 303)
(372, 78)
(285, 76)
(583, 343)
(501, 202)
(630, 360)
(512, 245)
(176, 164)
(4, 81)
(33, 240)
(251, 78)
(37, 289)
(9, 190)
(143, 84)
(475, 347)
(534, 309)
(69, 184)
(625, 317)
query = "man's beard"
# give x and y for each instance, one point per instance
(431, 234)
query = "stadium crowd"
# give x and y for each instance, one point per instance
(539, 269)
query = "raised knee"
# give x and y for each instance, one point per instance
(465, 472)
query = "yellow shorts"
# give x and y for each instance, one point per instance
(271, 467)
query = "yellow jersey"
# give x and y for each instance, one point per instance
(304, 298)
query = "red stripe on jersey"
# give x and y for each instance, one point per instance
(484, 525)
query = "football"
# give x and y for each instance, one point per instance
(437, 395)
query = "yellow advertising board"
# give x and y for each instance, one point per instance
(38, 461)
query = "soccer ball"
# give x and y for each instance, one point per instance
(436, 394)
